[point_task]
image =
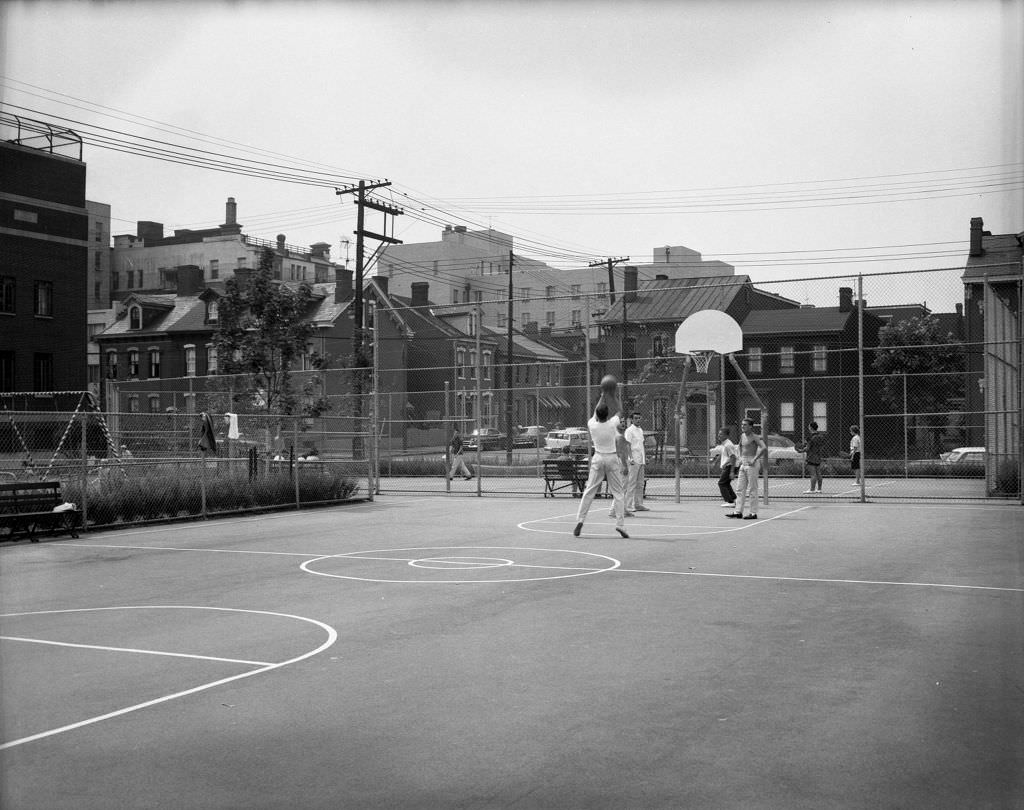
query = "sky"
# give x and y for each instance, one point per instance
(791, 139)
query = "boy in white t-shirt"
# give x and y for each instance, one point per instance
(729, 459)
(604, 465)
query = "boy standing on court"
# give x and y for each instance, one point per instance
(458, 463)
(729, 458)
(604, 465)
(637, 465)
(812, 449)
(752, 450)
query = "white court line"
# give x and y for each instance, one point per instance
(132, 650)
(820, 580)
(332, 636)
(176, 548)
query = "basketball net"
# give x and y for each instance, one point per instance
(702, 360)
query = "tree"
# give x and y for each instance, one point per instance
(914, 354)
(263, 330)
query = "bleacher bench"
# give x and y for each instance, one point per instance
(565, 473)
(26, 507)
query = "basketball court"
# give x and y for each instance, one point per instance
(417, 652)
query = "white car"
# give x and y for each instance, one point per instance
(575, 438)
(781, 448)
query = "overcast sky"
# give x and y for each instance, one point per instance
(778, 136)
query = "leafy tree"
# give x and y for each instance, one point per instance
(263, 330)
(933, 365)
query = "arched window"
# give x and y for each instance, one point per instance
(135, 317)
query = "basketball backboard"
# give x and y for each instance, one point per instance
(709, 330)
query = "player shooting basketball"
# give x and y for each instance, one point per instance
(605, 464)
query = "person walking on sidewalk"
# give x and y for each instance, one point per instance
(604, 465)
(752, 449)
(812, 448)
(729, 459)
(637, 465)
(458, 463)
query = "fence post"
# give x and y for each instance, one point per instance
(860, 384)
(295, 444)
(85, 473)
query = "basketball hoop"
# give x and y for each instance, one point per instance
(702, 359)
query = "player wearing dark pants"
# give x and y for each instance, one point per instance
(728, 457)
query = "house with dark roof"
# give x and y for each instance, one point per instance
(992, 280)
(804, 363)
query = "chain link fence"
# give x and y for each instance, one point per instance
(937, 407)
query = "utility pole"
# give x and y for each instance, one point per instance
(359, 360)
(363, 202)
(508, 367)
(611, 274)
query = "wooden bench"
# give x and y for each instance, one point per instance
(564, 473)
(26, 507)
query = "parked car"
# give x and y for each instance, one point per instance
(577, 439)
(531, 436)
(781, 448)
(961, 460)
(487, 438)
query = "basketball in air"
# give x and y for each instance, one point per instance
(609, 384)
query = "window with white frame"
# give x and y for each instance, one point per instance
(577, 317)
(819, 414)
(112, 365)
(487, 365)
(549, 291)
(787, 417)
(211, 309)
(135, 317)
(502, 320)
(472, 364)
(133, 403)
(819, 357)
(787, 361)
(549, 317)
(154, 403)
(214, 269)
(754, 359)
(190, 360)
(574, 289)
(460, 363)
(527, 318)
(154, 363)
(133, 363)
(211, 359)
(658, 345)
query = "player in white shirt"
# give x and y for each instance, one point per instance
(637, 465)
(604, 465)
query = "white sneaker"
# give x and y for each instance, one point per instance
(808, 492)
(727, 505)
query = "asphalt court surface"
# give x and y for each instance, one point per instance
(452, 652)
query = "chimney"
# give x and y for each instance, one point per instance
(629, 293)
(320, 250)
(190, 279)
(976, 234)
(230, 212)
(149, 231)
(846, 299)
(280, 243)
(342, 285)
(420, 294)
(382, 282)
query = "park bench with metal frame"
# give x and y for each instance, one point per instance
(27, 507)
(564, 473)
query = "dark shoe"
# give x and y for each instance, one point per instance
(750, 517)
(733, 515)
(469, 477)
(622, 532)
(578, 529)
